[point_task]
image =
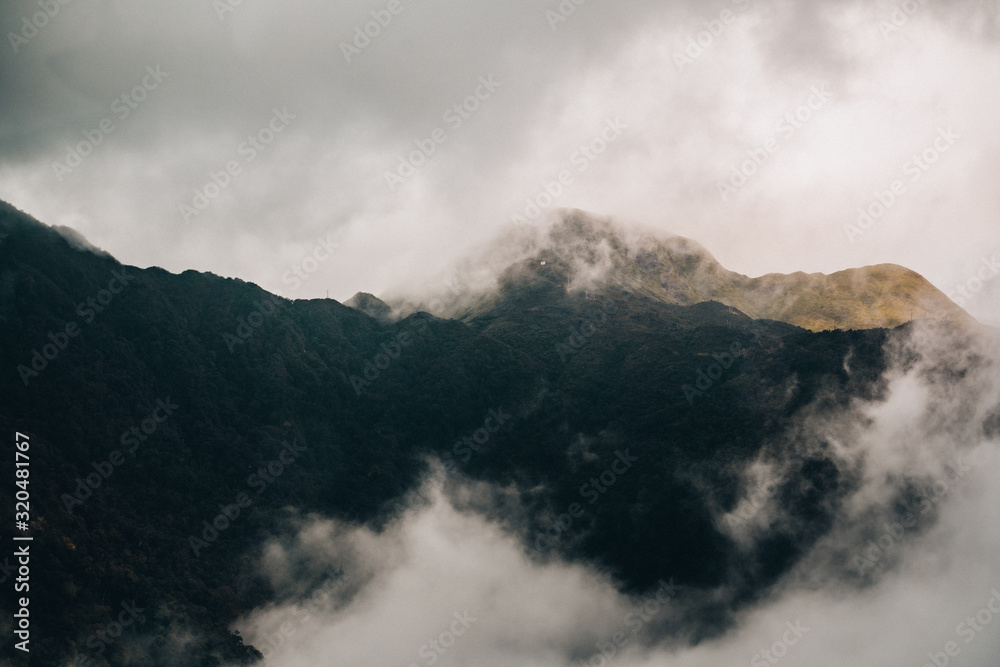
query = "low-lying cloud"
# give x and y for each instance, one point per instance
(908, 575)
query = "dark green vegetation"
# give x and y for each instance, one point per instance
(576, 398)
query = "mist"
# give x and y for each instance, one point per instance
(845, 99)
(417, 151)
(909, 573)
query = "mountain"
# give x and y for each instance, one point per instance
(178, 423)
(585, 250)
(371, 306)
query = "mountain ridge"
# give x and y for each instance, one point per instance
(596, 253)
(368, 402)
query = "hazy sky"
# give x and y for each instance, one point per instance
(164, 95)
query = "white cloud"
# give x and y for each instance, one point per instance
(925, 581)
(686, 129)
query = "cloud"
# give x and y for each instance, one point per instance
(444, 563)
(928, 446)
(687, 128)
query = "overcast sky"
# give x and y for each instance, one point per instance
(171, 92)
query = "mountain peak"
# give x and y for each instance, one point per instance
(582, 252)
(371, 305)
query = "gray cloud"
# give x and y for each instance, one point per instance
(926, 579)
(891, 92)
